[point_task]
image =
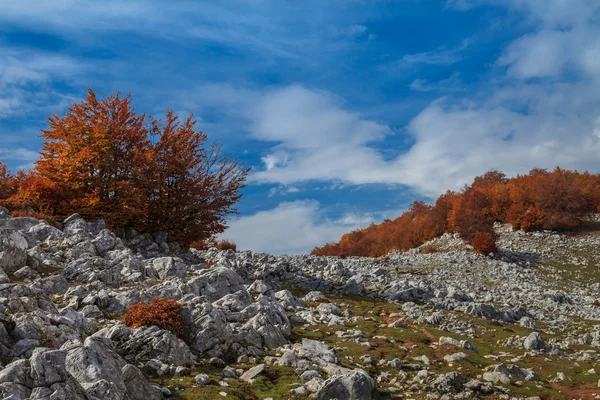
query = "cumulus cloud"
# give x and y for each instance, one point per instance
(24, 158)
(542, 112)
(290, 228)
(26, 77)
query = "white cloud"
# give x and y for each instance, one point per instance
(26, 77)
(513, 123)
(318, 138)
(357, 30)
(450, 84)
(439, 56)
(290, 228)
(24, 158)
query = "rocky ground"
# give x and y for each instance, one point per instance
(438, 322)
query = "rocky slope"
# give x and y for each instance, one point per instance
(447, 325)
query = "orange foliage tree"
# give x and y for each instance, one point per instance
(7, 183)
(93, 160)
(98, 160)
(192, 188)
(557, 200)
(484, 243)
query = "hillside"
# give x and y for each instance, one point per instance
(451, 324)
(558, 200)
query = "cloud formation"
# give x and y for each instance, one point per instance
(541, 111)
(290, 228)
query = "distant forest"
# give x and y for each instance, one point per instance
(558, 200)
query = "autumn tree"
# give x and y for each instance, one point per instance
(94, 158)
(7, 182)
(97, 160)
(191, 187)
(557, 200)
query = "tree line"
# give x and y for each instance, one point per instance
(103, 160)
(557, 200)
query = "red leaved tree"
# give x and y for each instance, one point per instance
(94, 158)
(191, 187)
(7, 183)
(97, 160)
(484, 243)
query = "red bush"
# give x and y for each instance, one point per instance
(164, 313)
(484, 243)
(225, 245)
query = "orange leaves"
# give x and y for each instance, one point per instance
(555, 200)
(97, 160)
(193, 186)
(219, 244)
(226, 245)
(484, 243)
(7, 183)
(93, 155)
(164, 313)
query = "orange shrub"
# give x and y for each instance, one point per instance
(164, 313)
(225, 245)
(484, 243)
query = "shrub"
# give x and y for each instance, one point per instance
(223, 244)
(160, 312)
(226, 245)
(484, 243)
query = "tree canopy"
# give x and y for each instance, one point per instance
(103, 160)
(557, 200)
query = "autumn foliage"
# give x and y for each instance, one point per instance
(102, 160)
(557, 200)
(160, 312)
(226, 245)
(484, 242)
(7, 183)
(222, 244)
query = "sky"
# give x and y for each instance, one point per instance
(346, 110)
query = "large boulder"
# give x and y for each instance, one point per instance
(166, 267)
(105, 375)
(13, 250)
(268, 324)
(44, 231)
(357, 385)
(43, 376)
(534, 342)
(215, 283)
(209, 331)
(148, 343)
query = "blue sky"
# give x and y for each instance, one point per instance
(346, 110)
